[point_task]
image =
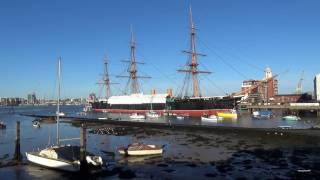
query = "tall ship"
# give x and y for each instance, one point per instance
(136, 102)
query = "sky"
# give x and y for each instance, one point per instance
(240, 39)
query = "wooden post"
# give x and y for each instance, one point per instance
(318, 113)
(17, 153)
(83, 142)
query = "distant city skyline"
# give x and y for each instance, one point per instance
(240, 39)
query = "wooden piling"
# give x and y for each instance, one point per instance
(17, 153)
(83, 144)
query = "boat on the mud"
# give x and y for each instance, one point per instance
(228, 114)
(291, 118)
(2, 125)
(137, 116)
(213, 118)
(62, 157)
(139, 149)
(66, 158)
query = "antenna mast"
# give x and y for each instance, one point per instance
(193, 65)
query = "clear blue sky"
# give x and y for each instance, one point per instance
(248, 34)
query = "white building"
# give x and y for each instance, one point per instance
(316, 82)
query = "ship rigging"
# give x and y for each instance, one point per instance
(192, 63)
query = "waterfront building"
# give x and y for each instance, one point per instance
(32, 99)
(261, 90)
(316, 83)
(292, 98)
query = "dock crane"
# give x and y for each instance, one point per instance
(299, 85)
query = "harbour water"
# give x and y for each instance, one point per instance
(196, 151)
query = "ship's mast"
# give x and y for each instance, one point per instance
(133, 69)
(133, 77)
(106, 79)
(193, 65)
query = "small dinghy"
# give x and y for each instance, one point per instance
(228, 115)
(137, 116)
(180, 117)
(2, 125)
(153, 114)
(138, 149)
(36, 124)
(291, 118)
(211, 118)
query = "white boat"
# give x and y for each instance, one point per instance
(66, 158)
(36, 124)
(137, 116)
(2, 125)
(180, 117)
(152, 114)
(291, 118)
(102, 118)
(211, 118)
(61, 157)
(138, 149)
(60, 113)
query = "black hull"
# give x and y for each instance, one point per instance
(175, 104)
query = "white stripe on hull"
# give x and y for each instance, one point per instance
(51, 163)
(142, 152)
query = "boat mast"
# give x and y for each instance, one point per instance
(106, 79)
(133, 70)
(58, 100)
(133, 77)
(193, 65)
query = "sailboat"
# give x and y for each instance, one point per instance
(62, 157)
(152, 113)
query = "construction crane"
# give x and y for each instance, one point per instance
(299, 85)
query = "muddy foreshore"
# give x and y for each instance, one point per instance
(201, 153)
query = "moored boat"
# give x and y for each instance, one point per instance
(262, 114)
(137, 116)
(291, 118)
(66, 158)
(213, 118)
(195, 105)
(179, 117)
(228, 115)
(138, 149)
(152, 114)
(36, 124)
(61, 157)
(2, 125)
